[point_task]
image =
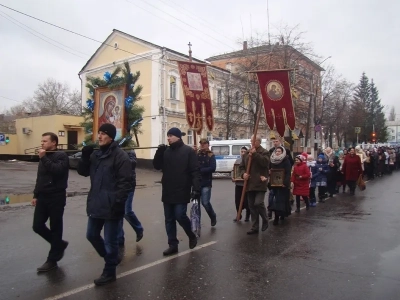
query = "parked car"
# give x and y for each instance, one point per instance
(74, 159)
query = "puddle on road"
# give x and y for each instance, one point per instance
(12, 199)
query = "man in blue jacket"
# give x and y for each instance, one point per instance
(110, 172)
(207, 165)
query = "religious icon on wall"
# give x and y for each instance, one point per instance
(109, 108)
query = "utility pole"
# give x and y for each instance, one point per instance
(312, 113)
(163, 129)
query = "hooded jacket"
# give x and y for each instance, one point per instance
(322, 169)
(301, 179)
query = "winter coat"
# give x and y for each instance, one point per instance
(280, 202)
(259, 167)
(301, 179)
(322, 173)
(110, 172)
(332, 175)
(181, 174)
(207, 165)
(352, 168)
(52, 175)
(133, 159)
(312, 166)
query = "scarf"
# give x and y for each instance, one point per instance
(277, 159)
(311, 163)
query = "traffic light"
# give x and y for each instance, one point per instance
(373, 137)
(7, 139)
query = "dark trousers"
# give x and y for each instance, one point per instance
(176, 213)
(50, 208)
(331, 187)
(107, 247)
(257, 208)
(312, 194)
(352, 186)
(238, 196)
(321, 192)
(305, 198)
(132, 219)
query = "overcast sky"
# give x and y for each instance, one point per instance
(359, 35)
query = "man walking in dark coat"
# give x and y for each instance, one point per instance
(49, 198)
(180, 183)
(207, 164)
(110, 172)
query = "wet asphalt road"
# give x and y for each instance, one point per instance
(347, 248)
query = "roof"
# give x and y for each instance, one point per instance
(151, 45)
(261, 49)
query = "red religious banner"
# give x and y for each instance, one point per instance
(197, 95)
(277, 99)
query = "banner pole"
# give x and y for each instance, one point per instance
(239, 213)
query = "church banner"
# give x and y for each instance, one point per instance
(197, 95)
(277, 99)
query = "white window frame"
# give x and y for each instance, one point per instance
(190, 137)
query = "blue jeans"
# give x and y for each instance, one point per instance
(271, 196)
(131, 218)
(107, 247)
(205, 201)
(176, 213)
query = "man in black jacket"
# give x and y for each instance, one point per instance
(49, 198)
(180, 183)
(110, 172)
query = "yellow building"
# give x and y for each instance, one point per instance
(162, 95)
(29, 132)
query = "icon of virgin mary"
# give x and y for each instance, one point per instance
(107, 116)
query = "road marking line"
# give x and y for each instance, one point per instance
(130, 272)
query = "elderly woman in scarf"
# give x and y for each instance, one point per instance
(281, 204)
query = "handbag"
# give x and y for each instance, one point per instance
(195, 218)
(361, 183)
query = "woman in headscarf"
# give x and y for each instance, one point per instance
(281, 204)
(108, 107)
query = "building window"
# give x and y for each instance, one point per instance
(190, 137)
(172, 87)
(219, 97)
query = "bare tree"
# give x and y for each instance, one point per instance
(51, 97)
(392, 114)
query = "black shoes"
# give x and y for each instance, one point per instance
(264, 226)
(213, 223)
(252, 231)
(47, 266)
(104, 279)
(171, 250)
(139, 236)
(192, 242)
(297, 210)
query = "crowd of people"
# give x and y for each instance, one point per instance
(187, 175)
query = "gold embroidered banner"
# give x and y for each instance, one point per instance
(197, 95)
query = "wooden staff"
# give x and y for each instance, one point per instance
(248, 169)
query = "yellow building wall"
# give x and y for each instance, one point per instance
(12, 146)
(42, 124)
(108, 55)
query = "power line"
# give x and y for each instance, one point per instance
(152, 13)
(204, 21)
(6, 17)
(76, 33)
(10, 99)
(45, 35)
(185, 23)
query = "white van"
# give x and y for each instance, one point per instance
(228, 151)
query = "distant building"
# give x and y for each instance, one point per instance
(393, 128)
(29, 130)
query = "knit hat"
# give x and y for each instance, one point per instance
(109, 129)
(204, 141)
(175, 132)
(305, 155)
(301, 158)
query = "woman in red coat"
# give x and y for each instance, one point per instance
(301, 181)
(352, 170)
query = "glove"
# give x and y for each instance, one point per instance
(195, 195)
(87, 151)
(162, 147)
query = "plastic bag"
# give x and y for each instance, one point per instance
(195, 218)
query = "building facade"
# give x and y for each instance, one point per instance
(29, 130)
(162, 96)
(393, 128)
